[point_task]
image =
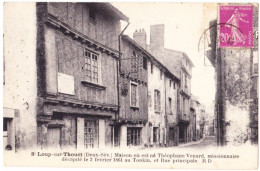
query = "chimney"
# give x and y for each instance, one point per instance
(157, 36)
(140, 37)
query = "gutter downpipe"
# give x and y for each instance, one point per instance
(118, 69)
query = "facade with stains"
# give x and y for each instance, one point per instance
(69, 72)
(163, 88)
(172, 84)
(236, 74)
(193, 117)
(130, 126)
(148, 95)
(185, 92)
(180, 65)
(77, 86)
(254, 62)
(156, 107)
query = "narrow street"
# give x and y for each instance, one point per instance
(206, 142)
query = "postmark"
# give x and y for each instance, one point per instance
(236, 26)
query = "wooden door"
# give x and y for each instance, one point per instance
(54, 137)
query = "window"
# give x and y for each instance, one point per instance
(8, 137)
(144, 62)
(170, 105)
(157, 101)
(170, 83)
(255, 70)
(174, 85)
(185, 81)
(134, 65)
(160, 74)
(133, 136)
(134, 95)
(155, 134)
(5, 124)
(92, 13)
(90, 134)
(151, 68)
(91, 67)
(183, 106)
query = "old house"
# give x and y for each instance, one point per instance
(193, 117)
(179, 65)
(184, 118)
(172, 84)
(130, 127)
(163, 88)
(77, 95)
(144, 83)
(67, 74)
(156, 103)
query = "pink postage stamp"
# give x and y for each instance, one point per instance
(235, 26)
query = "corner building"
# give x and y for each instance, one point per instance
(77, 74)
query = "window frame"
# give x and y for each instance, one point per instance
(185, 81)
(95, 134)
(144, 62)
(155, 134)
(170, 105)
(135, 137)
(137, 95)
(157, 101)
(91, 70)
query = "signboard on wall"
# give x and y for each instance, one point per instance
(66, 84)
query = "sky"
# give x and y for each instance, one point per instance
(184, 25)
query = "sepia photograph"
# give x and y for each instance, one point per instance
(130, 85)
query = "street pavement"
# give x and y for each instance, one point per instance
(205, 142)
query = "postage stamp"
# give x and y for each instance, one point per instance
(236, 26)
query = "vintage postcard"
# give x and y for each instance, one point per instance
(130, 85)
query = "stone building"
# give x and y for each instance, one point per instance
(193, 117)
(67, 73)
(197, 119)
(181, 66)
(236, 89)
(253, 107)
(163, 88)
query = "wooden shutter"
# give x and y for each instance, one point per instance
(102, 133)
(80, 133)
